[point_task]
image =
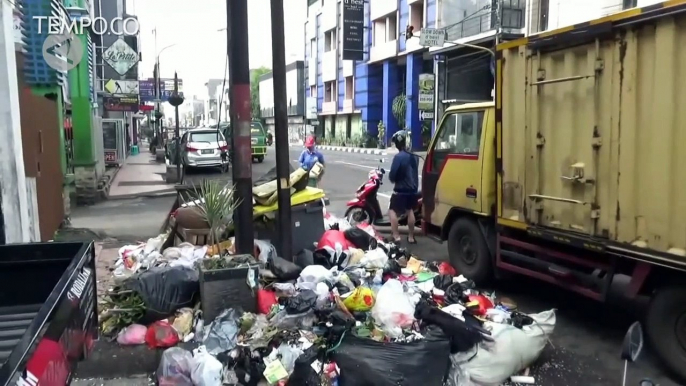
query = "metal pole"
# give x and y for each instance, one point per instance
(239, 83)
(176, 132)
(281, 130)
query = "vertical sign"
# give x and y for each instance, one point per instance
(353, 29)
(426, 96)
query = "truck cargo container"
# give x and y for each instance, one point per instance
(576, 172)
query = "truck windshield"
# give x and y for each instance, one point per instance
(256, 129)
(460, 133)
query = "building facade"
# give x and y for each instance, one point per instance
(295, 100)
(355, 98)
(391, 85)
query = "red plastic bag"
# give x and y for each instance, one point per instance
(265, 301)
(161, 334)
(446, 269)
(332, 237)
(479, 304)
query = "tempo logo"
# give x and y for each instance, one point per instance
(99, 25)
(62, 52)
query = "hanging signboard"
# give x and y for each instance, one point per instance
(353, 29)
(146, 90)
(122, 87)
(121, 103)
(426, 95)
(121, 57)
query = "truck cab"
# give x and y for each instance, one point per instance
(458, 179)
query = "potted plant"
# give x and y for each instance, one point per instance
(222, 280)
(382, 135)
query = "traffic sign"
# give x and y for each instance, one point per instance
(432, 37)
(426, 115)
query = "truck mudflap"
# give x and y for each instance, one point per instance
(62, 332)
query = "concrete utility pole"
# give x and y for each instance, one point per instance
(239, 84)
(281, 130)
(14, 204)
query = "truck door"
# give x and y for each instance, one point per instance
(452, 174)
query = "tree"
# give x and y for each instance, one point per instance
(255, 75)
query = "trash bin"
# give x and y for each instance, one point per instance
(227, 288)
(307, 224)
(134, 150)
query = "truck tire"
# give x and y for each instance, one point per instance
(666, 328)
(468, 251)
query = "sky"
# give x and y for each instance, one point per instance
(199, 49)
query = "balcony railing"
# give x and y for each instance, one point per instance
(481, 18)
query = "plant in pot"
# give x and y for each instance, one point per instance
(382, 135)
(223, 281)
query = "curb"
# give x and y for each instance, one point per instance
(346, 149)
(160, 193)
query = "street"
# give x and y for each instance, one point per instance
(584, 348)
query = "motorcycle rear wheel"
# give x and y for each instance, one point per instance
(356, 215)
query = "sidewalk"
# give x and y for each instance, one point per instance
(345, 149)
(140, 175)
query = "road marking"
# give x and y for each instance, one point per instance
(362, 166)
(384, 195)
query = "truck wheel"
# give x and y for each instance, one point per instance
(260, 158)
(666, 327)
(468, 251)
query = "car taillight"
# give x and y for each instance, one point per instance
(191, 148)
(224, 148)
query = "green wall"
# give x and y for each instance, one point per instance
(79, 83)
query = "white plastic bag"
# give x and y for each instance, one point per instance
(513, 350)
(374, 259)
(314, 274)
(266, 249)
(175, 367)
(206, 369)
(133, 334)
(393, 309)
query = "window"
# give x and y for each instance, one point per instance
(459, 133)
(349, 87)
(417, 16)
(313, 48)
(330, 91)
(543, 15)
(206, 136)
(330, 40)
(392, 25)
(379, 31)
(630, 4)
(313, 91)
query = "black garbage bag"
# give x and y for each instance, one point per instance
(304, 258)
(300, 303)
(366, 362)
(442, 282)
(283, 269)
(303, 373)
(360, 239)
(164, 290)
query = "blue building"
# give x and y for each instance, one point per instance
(346, 100)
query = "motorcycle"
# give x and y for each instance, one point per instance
(366, 208)
(631, 349)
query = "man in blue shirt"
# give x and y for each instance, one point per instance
(405, 175)
(310, 156)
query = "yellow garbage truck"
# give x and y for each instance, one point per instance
(576, 173)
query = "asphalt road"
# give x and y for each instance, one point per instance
(585, 346)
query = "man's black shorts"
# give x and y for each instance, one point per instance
(401, 203)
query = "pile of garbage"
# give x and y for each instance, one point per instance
(355, 310)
